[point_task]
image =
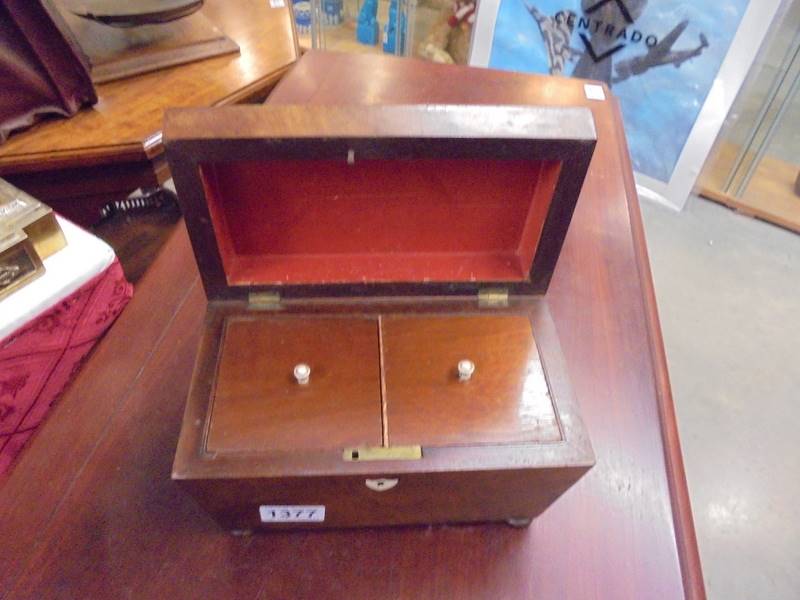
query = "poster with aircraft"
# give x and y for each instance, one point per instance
(661, 58)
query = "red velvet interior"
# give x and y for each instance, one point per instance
(323, 221)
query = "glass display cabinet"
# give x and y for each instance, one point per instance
(755, 165)
(437, 30)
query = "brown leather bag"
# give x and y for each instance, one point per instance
(42, 69)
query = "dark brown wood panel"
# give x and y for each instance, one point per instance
(506, 400)
(90, 511)
(453, 497)
(258, 404)
(81, 193)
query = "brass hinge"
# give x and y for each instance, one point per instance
(264, 300)
(493, 297)
(382, 453)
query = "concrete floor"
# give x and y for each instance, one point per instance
(728, 290)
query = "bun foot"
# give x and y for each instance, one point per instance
(241, 532)
(520, 523)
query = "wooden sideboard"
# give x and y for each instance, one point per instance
(107, 151)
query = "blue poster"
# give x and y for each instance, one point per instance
(660, 58)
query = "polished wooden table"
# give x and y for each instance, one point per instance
(90, 510)
(107, 151)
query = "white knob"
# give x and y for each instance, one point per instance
(465, 369)
(302, 372)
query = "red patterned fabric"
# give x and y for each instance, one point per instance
(38, 360)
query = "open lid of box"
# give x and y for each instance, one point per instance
(314, 201)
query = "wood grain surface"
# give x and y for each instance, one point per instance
(257, 403)
(107, 151)
(126, 121)
(90, 511)
(505, 401)
(274, 442)
(117, 52)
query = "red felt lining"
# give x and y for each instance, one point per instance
(323, 221)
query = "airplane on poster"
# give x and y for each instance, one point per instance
(556, 34)
(658, 55)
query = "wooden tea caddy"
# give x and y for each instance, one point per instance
(378, 348)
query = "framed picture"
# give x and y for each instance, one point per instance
(675, 65)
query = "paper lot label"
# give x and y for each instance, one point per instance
(282, 513)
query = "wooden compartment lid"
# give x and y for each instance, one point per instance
(313, 201)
